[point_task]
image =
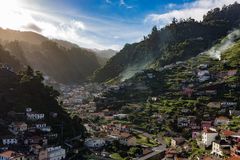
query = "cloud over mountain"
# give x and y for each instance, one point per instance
(194, 10)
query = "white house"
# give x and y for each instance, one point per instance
(203, 66)
(208, 136)
(94, 142)
(228, 104)
(154, 99)
(120, 116)
(183, 122)
(150, 75)
(180, 63)
(40, 125)
(35, 116)
(46, 129)
(177, 141)
(28, 110)
(56, 153)
(220, 148)
(17, 127)
(9, 141)
(43, 127)
(203, 73)
(204, 78)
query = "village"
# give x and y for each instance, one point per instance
(195, 118)
(28, 139)
(180, 130)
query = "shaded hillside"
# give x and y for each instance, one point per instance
(64, 65)
(18, 91)
(7, 59)
(178, 41)
(65, 44)
(105, 53)
(61, 60)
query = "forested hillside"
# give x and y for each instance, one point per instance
(62, 61)
(6, 58)
(26, 89)
(180, 40)
(172, 81)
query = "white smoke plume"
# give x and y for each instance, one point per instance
(130, 71)
(216, 51)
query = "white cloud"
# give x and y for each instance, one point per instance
(194, 10)
(108, 1)
(92, 32)
(116, 37)
(78, 24)
(124, 4)
(171, 5)
(87, 32)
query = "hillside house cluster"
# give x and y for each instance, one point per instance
(33, 133)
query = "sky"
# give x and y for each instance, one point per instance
(99, 24)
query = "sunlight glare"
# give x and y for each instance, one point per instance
(11, 14)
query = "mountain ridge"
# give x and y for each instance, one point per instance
(76, 64)
(178, 41)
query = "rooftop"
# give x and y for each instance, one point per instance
(228, 133)
(209, 131)
(9, 154)
(222, 118)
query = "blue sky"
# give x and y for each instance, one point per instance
(100, 24)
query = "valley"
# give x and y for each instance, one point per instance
(173, 95)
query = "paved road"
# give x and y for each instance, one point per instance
(142, 132)
(156, 150)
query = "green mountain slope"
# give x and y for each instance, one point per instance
(176, 42)
(171, 81)
(232, 55)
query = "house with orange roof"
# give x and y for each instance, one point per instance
(233, 158)
(221, 120)
(11, 155)
(226, 134)
(235, 151)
